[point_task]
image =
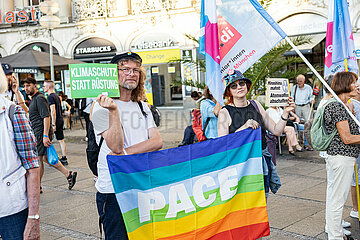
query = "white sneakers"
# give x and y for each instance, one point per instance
(344, 225)
(354, 214)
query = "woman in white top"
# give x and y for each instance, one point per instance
(275, 115)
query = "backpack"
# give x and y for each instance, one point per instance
(93, 149)
(156, 115)
(197, 125)
(320, 138)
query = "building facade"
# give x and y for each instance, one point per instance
(95, 30)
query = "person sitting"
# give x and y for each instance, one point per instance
(275, 114)
(189, 133)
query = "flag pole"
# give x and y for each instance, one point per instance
(321, 78)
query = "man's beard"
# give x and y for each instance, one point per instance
(129, 86)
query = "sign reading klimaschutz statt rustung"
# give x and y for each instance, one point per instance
(277, 92)
(91, 79)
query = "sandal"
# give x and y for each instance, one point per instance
(71, 179)
(292, 152)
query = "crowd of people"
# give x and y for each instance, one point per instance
(124, 126)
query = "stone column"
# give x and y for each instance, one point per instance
(122, 8)
(65, 10)
(7, 6)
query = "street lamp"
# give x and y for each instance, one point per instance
(50, 21)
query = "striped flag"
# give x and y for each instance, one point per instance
(339, 40)
(209, 46)
(209, 190)
(234, 38)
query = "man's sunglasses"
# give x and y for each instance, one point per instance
(234, 85)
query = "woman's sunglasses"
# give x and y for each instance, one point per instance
(234, 85)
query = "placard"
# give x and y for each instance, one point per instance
(88, 80)
(277, 92)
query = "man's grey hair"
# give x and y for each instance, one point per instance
(3, 81)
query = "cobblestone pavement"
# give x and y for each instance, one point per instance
(297, 211)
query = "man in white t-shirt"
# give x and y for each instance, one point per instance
(134, 132)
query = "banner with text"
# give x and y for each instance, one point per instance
(91, 79)
(246, 33)
(209, 190)
(277, 92)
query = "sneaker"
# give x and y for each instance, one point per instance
(354, 214)
(345, 224)
(64, 161)
(346, 232)
(71, 179)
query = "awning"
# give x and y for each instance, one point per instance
(308, 48)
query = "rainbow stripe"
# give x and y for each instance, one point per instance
(209, 190)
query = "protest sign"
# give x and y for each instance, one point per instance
(277, 92)
(91, 79)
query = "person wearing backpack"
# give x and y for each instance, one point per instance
(342, 151)
(19, 172)
(240, 114)
(133, 131)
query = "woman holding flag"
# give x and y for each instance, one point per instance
(240, 113)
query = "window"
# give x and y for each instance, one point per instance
(34, 2)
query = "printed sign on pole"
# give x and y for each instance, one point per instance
(277, 92)
(88, 80)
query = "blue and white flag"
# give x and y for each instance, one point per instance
(339, 40)
(245, 34)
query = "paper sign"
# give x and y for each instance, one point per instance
(88, 80)
(277, 92)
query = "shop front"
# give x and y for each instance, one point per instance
(95, 50)
(160, 54)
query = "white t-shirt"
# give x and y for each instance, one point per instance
(274, 114)
(135, 127)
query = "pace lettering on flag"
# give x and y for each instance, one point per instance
(245, 34)
(339, 40)
(209, 190)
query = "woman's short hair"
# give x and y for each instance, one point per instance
(207, 93)
(342, 81)
(3, 81)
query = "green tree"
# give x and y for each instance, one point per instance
(275, 64)
(272, 64)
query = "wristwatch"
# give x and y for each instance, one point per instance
(36, 216)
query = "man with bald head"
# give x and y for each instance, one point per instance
(303, 97)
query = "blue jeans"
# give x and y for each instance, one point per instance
(110, 216)
(12, 227)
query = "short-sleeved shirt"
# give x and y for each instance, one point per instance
(135, 127)
(333, 113)
(38, 110)
(303, 96)
(54, 99)
(207, 111)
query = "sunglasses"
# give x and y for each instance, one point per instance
(234, 85)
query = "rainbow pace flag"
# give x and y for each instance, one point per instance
(209, 190)
(339, 40)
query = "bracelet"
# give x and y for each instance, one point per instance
(46, 136)
(20, 103)
(282, 118)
